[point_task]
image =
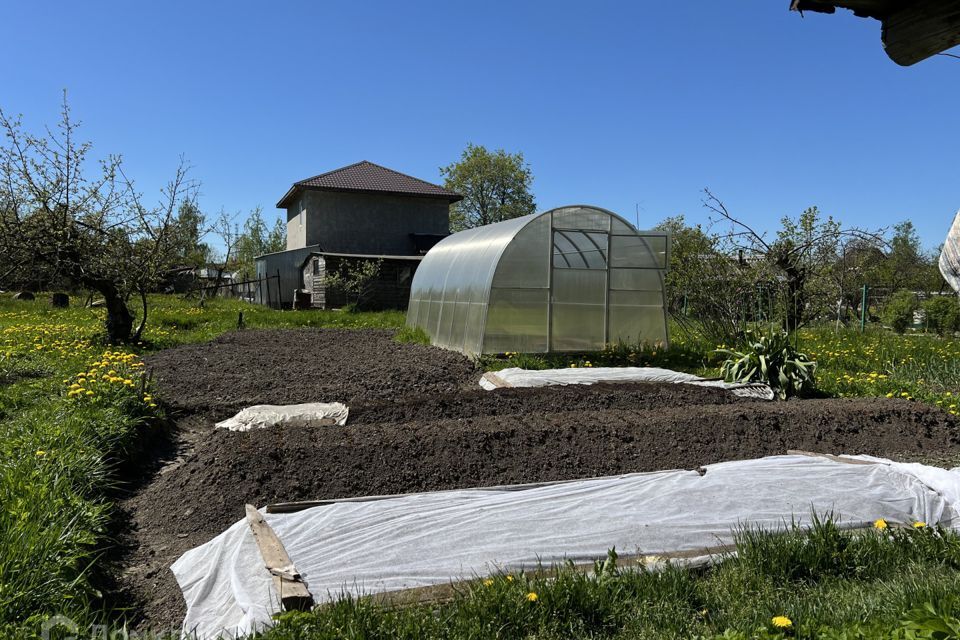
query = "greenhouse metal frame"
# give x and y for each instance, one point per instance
(574, 278)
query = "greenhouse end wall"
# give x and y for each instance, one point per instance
(571, 279)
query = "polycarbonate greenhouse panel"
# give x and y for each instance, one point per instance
(517, 321)
(570, 279)
(525, 261)
(636, 280)
(581, 218)
(642, 252)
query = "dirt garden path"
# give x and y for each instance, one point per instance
(419, 422)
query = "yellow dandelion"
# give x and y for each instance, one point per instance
(488, 582)
(509, 578)
(532, 597)
(782, 622)
(919, 524)
(41, 453)
(880, 523)
(89, 393)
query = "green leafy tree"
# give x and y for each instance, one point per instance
(255, 240)
(495, 187)
(189, 229)
(906, 266)
(943, 314)
(709, 293)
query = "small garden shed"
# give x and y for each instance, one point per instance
(570, 279)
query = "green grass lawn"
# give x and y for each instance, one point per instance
(71, 408)
(876, 363)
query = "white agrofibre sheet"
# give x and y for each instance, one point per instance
(950, 255)
(516, 377)
(264, 416)
(426, 539)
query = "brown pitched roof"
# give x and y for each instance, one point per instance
(366, 177)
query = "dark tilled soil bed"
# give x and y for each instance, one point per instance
(289, 366)
(265, 466)
(477, 403)
(419, 423)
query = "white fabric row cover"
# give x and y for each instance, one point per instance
(426, 539)
(264, 416)
(950, 256)
(516, 377)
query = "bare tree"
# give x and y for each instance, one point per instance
(90, 228)
(802, 252)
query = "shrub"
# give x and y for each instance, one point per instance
(943, 314)
(357, 281)
(770, 359)
(899, 310)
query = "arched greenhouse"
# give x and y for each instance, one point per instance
(571, 279)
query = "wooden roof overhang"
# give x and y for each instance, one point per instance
(912, 30)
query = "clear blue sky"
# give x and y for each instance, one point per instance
(614, 104)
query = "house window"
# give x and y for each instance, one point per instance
(403, 275)
(316, 266)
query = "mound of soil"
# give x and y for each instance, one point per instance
(545, 443)
(419, 422)
(289, 366)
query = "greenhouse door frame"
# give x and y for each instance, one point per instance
(552, 300)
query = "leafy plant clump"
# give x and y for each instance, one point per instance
(770, 359)
(899, 310)
(943, 314)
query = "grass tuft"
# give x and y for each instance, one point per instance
(412, 335)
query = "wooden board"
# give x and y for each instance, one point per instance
(286, 580)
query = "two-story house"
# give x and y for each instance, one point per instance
(359, 212)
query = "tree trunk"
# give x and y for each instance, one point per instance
(143, 318)
(119, 321)
(795, 297)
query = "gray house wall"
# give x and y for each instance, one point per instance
(350, 222)
(296, 227)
